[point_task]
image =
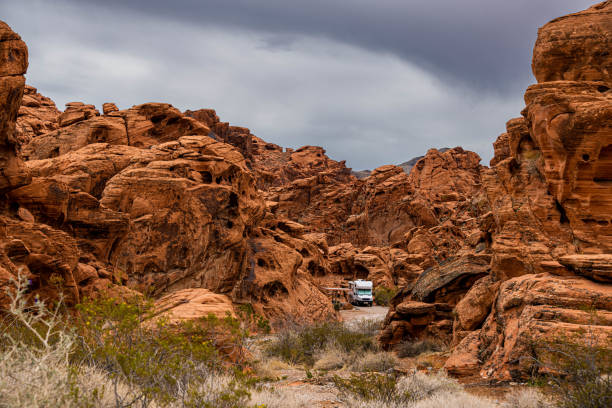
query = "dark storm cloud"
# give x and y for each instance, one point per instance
(374, 82)
(486, 44)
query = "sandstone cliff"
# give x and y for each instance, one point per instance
(545, 220)
(142, 200)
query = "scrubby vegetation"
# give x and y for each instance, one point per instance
(383, 295)
(527, 398)
(253, 320)
(577, 368)
(417, 390)
(110, 353)
(116, 354)
(300, 345)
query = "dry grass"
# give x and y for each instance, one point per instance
(302, 344)
(368, 326)
(416, 348)
(459, 399)
(285, 397)
(271, 368)
(330, 358)
(527, 398)
(420, 385)
(47, 381)
(34, 362)
(373, 362)
(417, 390)
(38, 369)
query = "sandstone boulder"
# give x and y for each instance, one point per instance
(576, 47)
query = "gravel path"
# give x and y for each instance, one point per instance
(358, 313)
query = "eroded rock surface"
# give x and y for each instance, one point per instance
(142, 200)
(543, 220)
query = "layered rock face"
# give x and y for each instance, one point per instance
(13, 65)
(143, 200)
(544, 220)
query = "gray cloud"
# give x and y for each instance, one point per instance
(484, 43)
(373, 82)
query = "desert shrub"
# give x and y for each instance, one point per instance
(253, 320)
(330, 359)
(300, 344)
(372, 387)
(415, 348)
(383, 295)
(270, 367)
(526, 398)
(420, 385)
(579, 369)
(165, 363)
(373, 362)
(417, 390)
(112, 354)
(34, 359)
(367, 326)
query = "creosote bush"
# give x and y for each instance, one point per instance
(299, 345)
(414, 390)
(373, 387)
(383, 295)
(579, 369)
(164, 362)
(116, 354)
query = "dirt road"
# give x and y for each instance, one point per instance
(370, 313)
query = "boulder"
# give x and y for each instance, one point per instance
(576, 47)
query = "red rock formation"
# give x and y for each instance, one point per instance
(575, 47)
(571, 125)
(174, 204)
(139, 201)
(37, 115)
(382, 208)
(13, 65)
(544, 220)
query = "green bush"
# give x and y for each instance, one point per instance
(252, 319)
(383, 295)
(165, 363)
(578, 368)
(372, 387)
(299, 345)
(110, 353)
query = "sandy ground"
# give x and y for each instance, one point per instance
(374, 312)
(319, 391)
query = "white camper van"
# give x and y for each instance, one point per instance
(360, 292)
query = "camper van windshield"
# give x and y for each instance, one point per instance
(364, 291)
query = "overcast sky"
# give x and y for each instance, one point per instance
(373, 81)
